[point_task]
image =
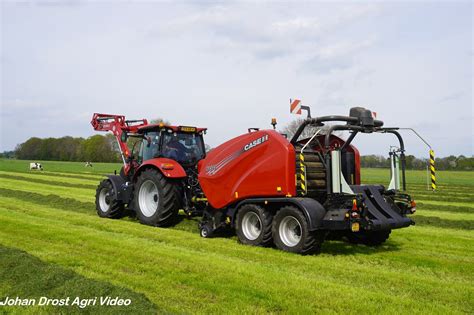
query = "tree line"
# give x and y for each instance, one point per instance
(460, 163)
(97, 148)
(104, 148)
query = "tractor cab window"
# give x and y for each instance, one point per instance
(183, 147)
(150, 146)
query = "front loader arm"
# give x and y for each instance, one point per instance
(119, 126)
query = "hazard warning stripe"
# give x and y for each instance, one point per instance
(302, 175)
(432, 170)
(295, 107)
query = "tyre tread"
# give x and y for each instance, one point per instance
(117, 208)
(171, 202)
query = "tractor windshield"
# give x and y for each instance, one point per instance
(187, 148)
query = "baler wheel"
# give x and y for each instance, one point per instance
(291, 234)
(157, 199)
(105, 204)
(254, 225)
(205, 231)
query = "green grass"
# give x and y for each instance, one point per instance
(33, 278)
(443, 178)
(61, 167)
(48, 226)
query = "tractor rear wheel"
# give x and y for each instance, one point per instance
(105, 203)
(157, 199)
(254, 225)
(369, 238)
(291, 232)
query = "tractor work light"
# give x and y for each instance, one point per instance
(354, 205)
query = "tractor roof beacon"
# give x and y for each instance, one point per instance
(292, 193)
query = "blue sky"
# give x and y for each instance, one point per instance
(233, 65)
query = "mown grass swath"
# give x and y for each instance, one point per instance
(52, 228)
(27, 276)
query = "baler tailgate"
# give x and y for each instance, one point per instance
(382, 215)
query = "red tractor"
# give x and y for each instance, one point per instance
(158, 180)
(292, 193)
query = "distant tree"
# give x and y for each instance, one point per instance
(69, 148)
(466, 164)
(410, 159)
(104, 148)
(98, 149)
(7, 155)
(29, 149)
(293, 126)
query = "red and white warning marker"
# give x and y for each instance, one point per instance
(295, 107)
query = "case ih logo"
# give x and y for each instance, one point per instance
(213, 169)
(255, 143)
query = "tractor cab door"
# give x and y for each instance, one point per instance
(150, 146)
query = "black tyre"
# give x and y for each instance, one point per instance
(156, 199)
(291, 234)
(254, 225)
(205, 231)
(105, 204)
(369, 238)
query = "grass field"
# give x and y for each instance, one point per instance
(53, 244)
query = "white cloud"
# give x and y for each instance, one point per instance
(269, 34)
(21, 104)
(298, 24)
(233, 65)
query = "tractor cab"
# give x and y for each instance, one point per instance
(183, 144)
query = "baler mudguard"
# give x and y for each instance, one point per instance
(313, 210)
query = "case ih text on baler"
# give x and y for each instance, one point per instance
(292, 193)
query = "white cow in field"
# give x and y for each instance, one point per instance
(36, 166)
(88, 164)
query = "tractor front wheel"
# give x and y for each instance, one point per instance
(291, 232)
(157, 199)
(105, 203)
